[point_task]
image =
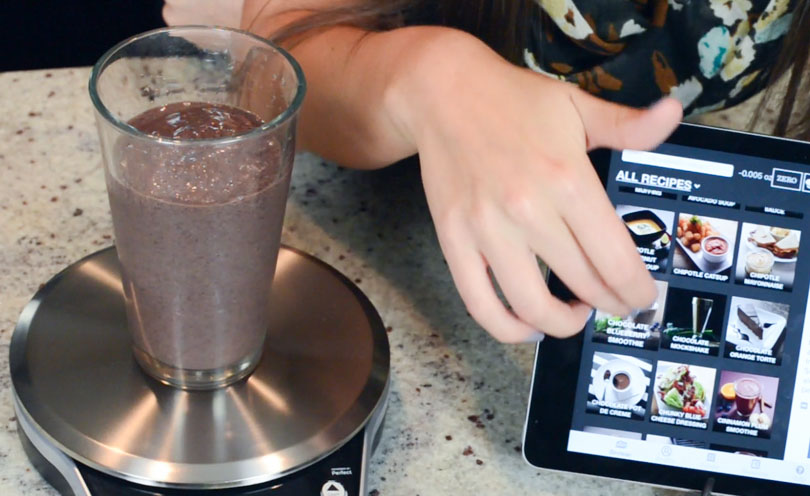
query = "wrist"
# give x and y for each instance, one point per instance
(434, 69)
(423, 71)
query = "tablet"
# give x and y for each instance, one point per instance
(713, 380)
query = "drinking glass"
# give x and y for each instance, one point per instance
(701, 311)
(747, 394)
(197, 220)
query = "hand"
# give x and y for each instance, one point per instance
(507, 179)
(227, 13)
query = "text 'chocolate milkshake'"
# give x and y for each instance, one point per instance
(197, 229)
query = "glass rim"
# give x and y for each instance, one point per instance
(277, 121)
(748, 379)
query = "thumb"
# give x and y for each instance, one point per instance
(609, 125)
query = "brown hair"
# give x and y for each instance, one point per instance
(372, 15)
(794, 116)
(502, 25)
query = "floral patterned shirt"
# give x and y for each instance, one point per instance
(710, 54)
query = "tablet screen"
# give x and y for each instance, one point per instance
(715, 376)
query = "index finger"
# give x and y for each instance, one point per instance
(604, 238)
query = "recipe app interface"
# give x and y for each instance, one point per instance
(715, 375)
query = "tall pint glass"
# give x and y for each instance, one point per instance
(197, 130)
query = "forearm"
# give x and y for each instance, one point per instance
(351, 74)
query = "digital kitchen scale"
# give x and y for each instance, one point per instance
(303, 423)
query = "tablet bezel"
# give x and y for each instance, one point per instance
(557, 362)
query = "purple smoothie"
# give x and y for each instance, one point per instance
(197, 229)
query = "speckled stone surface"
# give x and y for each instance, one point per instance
(458, 398)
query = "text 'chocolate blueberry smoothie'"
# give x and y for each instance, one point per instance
(198, 172)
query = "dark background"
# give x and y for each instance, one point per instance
(38, 34)
(679, 309)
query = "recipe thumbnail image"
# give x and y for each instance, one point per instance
(693, 321)
(651, 232)
(745, 404)
(640, 329)
(704, 247)
(756, 330)
(666, 440)
(767, 257)
(739, 451)
(619, 385)
(683, 394)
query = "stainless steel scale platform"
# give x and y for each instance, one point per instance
(303, 423)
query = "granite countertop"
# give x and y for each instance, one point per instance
(458, 398)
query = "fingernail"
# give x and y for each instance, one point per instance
(535, 338)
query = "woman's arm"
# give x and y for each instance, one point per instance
(351, 75)
(349, 72)
(504, 164)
